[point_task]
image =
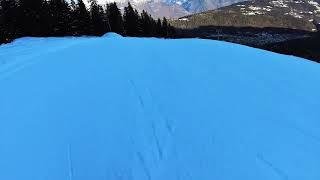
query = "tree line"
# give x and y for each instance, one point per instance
(43, 18)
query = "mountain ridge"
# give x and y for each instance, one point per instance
(173, 8)
(292, 14)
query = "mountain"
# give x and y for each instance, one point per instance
(195, 6)
(158, 9)
(291, 14)
(266, 24)
(173, 8)
(132, 108)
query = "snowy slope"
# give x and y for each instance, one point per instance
(151, 109)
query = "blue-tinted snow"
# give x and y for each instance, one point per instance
(152, 109)
(112, 35)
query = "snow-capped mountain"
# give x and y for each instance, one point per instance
(173, 8)
(291, 14)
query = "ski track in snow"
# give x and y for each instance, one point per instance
(278, 171)
(159, 147)
(137, 94)
(144, 166)
(165, 119)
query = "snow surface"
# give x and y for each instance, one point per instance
(112, 35)
(154, 109)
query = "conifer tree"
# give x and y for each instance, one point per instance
(46, 24)
(139, 23)
(8, 20)
(82, 21)
(60, 18)
(159, 28)
(97, 17)
(31, 17)
(148, 24)
(73, 18)
(171, 31)
(131, 21)
(165, 27)
(114, 18)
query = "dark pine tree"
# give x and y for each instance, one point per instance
(60, 18)
(148, 25)
(82, 22)
(139, 24)
(46, 16)
(159, 28)
(31, 18)
(165, 27)
(114, 18)
(8, 20)
(73, 18)
(131, 21)
(97, 17)
(171, 31)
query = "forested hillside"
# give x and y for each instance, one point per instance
(60, 18)
(290, 14)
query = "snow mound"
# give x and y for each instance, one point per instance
(142, 109)
(111, 35)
